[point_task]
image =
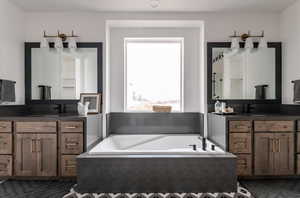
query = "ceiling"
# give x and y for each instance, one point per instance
(163, 5)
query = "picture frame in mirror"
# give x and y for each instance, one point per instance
(94, 100)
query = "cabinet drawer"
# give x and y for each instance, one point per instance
(240, 126)
(68, 165)
(5, 127)
(71, 143)
(5, 143)
(244, 165)
(268, 126)
(72, 127)
(35, 127)
(5, 165)
(240, 143)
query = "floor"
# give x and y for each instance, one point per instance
(56, 189)
(273, 188)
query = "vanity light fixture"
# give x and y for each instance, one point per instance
(58, 43)
(235, 43)
(72, 44)
(44, 43)
(247, 37)
(263, 44)
(59, 39)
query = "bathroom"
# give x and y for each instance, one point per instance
(38, 43)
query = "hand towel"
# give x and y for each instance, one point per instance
(297, 91)
(7, 91)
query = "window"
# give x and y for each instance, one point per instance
(153, 73)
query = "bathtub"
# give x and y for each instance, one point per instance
(155, 145)
(130, 163)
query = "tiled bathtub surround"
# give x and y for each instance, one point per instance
(155, 123)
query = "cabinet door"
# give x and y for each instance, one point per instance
(264, 154)
(25, 161)
(5, 143)
(284, 153)
(46, 148)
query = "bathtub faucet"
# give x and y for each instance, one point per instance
(194, 147)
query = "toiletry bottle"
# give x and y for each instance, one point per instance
(218, 106)
(223, 107)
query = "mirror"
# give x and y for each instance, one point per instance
(243, 74)
(65, 74)
(62, 75)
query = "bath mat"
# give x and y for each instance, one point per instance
(241, 193)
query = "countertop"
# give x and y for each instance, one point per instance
(43, 117)
(260, 116)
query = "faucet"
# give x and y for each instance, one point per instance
(204, 144)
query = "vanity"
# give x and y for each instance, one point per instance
(266, 145)
(41, 146)
(266, 142)
(41, 139)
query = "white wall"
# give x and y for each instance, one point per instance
(91, 26)
(290, 32)
(12, 38)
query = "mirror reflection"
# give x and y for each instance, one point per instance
(63, 75)
(243, 74)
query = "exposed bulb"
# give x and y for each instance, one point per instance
(154, 3)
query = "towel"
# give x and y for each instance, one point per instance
(260, 92)
(7, 91)
(297, 91)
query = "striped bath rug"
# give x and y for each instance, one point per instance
(241, 193)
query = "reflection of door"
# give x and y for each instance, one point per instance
(70, 77)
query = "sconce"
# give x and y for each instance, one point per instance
(247, 37)
(59, 39)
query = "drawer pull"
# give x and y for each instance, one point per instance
(71, 127)
(2, 127)
(72, 144)
(70, 166)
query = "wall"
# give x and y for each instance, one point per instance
(12, 36)
(290, 31)
(91, 26)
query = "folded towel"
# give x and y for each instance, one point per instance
(7, 91)
(296, 91)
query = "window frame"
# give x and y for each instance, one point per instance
(154, 40)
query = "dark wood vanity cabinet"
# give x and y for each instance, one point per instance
(40, 147)
(264, 145)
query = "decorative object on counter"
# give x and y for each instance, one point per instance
(260, 92)
(218, 106)
(83, 109)
(160, 108)
(7, 91)
(94, 100)
(45, 92)
(296, 91)
(59, 38)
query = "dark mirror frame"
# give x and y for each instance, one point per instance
(30, 45)
(278, 73)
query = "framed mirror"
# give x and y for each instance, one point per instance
(55, 76)
(244, 76)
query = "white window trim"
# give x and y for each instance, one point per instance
(155, 40)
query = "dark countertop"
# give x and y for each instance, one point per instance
(43, 117)
(260, 116)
